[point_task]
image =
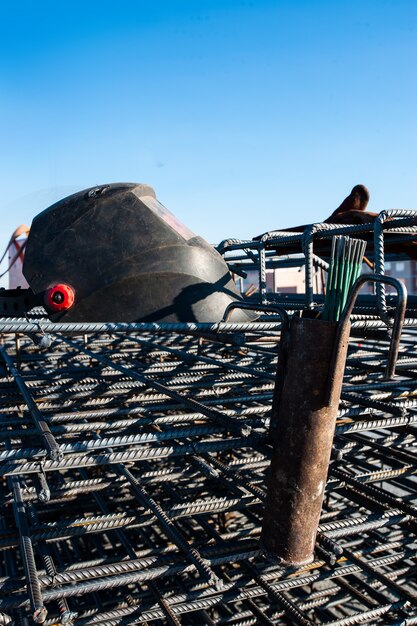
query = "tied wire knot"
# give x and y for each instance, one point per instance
(42, 339)
(68, 617)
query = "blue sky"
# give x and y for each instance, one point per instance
(245, 116)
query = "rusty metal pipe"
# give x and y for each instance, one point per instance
(303, 438)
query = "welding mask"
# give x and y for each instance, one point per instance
(115, 253)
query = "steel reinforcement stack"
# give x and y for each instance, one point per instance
(134, 462)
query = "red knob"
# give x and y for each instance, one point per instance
(60, 297)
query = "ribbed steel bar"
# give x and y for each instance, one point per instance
(13, 325)
(48, 440)
(39, 611)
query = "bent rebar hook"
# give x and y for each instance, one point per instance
(398, 318)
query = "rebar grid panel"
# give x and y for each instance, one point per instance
(152, 511)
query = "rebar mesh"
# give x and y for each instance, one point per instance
(134, 460)
(152, 511)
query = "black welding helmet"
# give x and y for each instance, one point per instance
(115, 253)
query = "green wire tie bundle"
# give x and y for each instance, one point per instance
(345, 267)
